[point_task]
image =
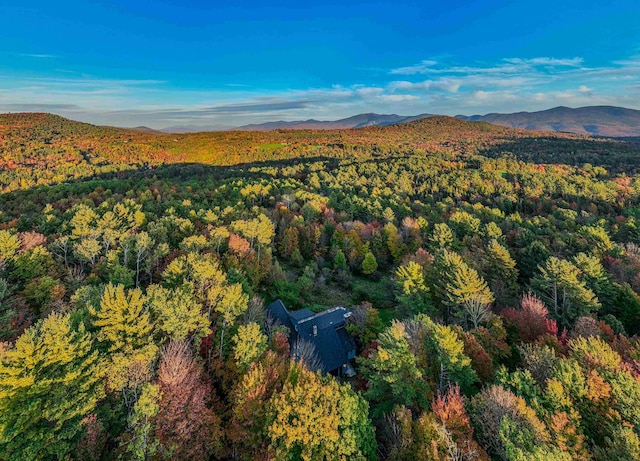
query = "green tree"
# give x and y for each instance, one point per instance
(290, 241)
(41, 291)
(116, 273)
(626, 308)
(233, 303)
(369, 264)
(464, 223)
(388, 215)
(396, 246)
(392, 373)
(49, 381)
(443, 357)
(492, 231)
(457, 285)
(506, 425)
(559, 285)
(139, 442)
(203, 271)
(251, 403)
(624, 444)
(339, 261)
(531, 257)
(36, 262)
(218, 235)
(596, 278)
(7, 312)
(501, 272)
(142, 245)
(412, 291)
(597, 238)
(60, 247)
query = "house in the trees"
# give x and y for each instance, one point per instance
(326, 331)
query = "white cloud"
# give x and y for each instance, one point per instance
(448, 85)
(367, 92)
(422, 68)
(481, 97)
(398, 97)
(546, 61)
(38, 56)
(506, 85)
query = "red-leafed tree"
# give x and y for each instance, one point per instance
(186, 426)
(530, 321)
(451, 413)
(481, 361)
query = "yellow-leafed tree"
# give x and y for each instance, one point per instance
(122, 318)
(314, 417)
(177, 313)
(124, 329)
(49, 381)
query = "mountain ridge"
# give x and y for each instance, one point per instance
(355, 121)
(609, 121)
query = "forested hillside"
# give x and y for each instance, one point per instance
(41, 149)
(493, 276)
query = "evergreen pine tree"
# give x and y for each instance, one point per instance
(456, 284)
(501, 272)
(412, 291)
(567, 297)
(369, 264)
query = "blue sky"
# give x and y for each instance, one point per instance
(209, 64)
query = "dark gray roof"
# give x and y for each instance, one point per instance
(280, 314)
(326, 319)
(325, 330)
(301, 314)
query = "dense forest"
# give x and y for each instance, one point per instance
(492, 274)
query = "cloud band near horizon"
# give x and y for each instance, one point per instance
(438, 86)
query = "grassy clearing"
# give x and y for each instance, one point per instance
(270, 147)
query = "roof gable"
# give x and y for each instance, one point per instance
(280, 314)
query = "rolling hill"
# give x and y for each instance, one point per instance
(39, 148)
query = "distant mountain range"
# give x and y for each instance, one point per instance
(195, 129)
(144, 129)
(593, 120)
(357, 121)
